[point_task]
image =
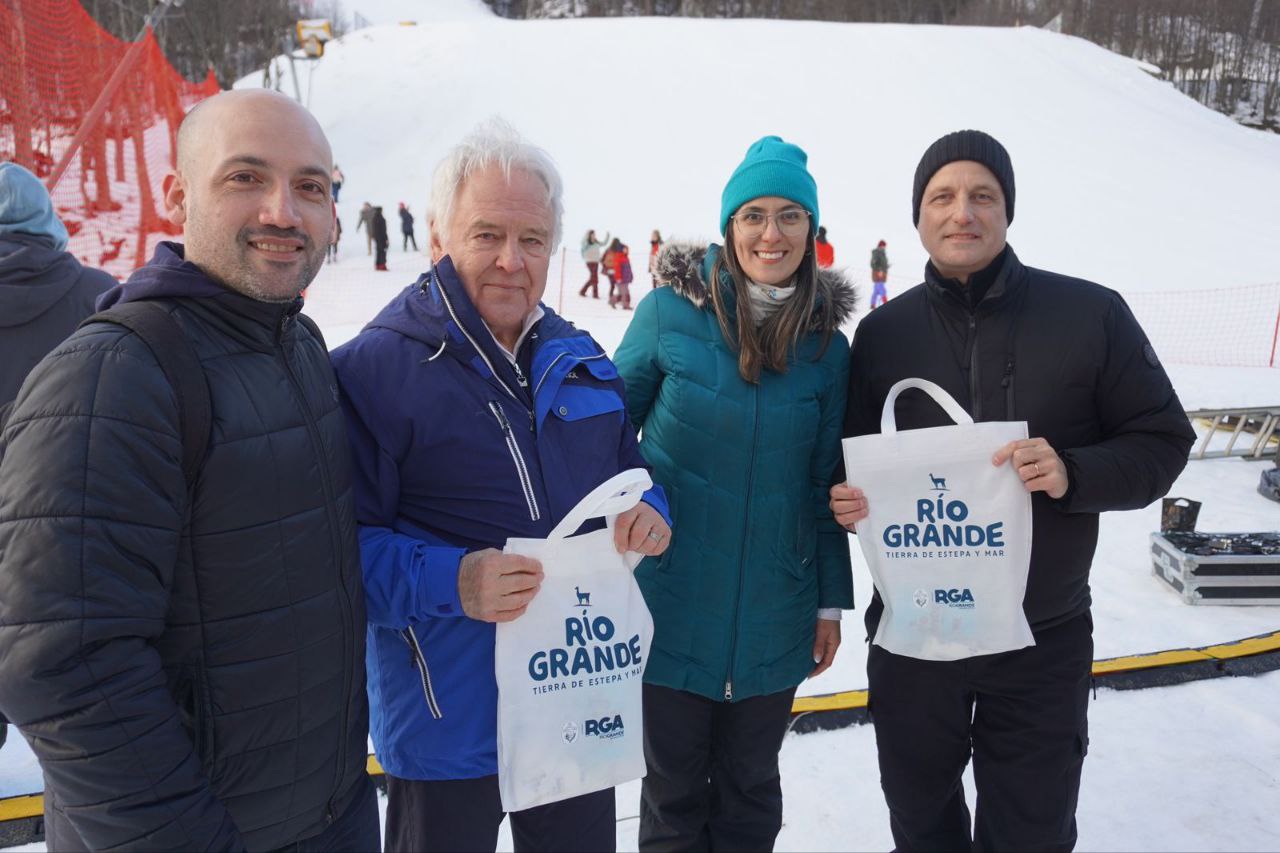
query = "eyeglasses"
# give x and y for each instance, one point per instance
(792, 222)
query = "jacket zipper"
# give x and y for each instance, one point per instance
(737, 613)
(975, 398)
(419, 660)
(1007, 382)
(522, 471)
(344, 598)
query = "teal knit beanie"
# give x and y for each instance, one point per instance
(771, 167)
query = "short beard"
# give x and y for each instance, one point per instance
(230, 267)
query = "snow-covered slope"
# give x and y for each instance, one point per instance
(1120, 178)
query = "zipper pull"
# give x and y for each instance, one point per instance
(524, 383)
(728, 690)
(502, 417)
(1008, 373)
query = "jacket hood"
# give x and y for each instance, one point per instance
(685, 267)
(32, 277)
(168, 273)
(25, 208)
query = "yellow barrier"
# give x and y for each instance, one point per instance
(16, 808)
(32, 805)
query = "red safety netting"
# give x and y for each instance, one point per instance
(104, 165)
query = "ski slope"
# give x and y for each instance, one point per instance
(1121, 179)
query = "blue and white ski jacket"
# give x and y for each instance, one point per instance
(456, 450)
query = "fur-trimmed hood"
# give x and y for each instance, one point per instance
(684, 268)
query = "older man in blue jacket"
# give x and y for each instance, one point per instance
(476, 414)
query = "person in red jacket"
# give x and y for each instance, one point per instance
(617, 265)
(826, 253)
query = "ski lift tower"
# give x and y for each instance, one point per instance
(313, 34)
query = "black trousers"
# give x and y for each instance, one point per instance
(380, 259)
(1023, 715)
(713, 781)
(409, 238)
(464, 815)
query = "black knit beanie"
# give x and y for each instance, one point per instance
(964, 145)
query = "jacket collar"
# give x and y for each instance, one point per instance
(686, 269)
(437, 311)
(1003, 278)
(169, 275)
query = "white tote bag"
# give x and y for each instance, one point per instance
(948, 536)
(569, 669)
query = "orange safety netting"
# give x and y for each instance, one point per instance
(55, 62)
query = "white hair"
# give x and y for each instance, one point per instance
(494, 142)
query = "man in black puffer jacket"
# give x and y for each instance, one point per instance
(187, 662)
(1108, 433)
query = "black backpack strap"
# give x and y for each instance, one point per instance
(177, 357)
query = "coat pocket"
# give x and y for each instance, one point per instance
(195, 709)
(419, 661)
(802, 563)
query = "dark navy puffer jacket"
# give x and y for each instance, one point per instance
(456, 450)
(189, 669)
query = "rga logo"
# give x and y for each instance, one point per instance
(921, 598)
(961, 598)
(569, 732)
(605, 727)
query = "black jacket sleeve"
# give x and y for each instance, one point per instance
(1145, 432)
(861, 413)
(92, 499)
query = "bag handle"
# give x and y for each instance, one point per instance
(615, 495)
(889, 425)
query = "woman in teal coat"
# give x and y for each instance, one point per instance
(739, 390)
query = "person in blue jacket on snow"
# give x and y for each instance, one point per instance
(476, 414)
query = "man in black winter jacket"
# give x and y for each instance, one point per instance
(187, 659)
(1009, 343)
